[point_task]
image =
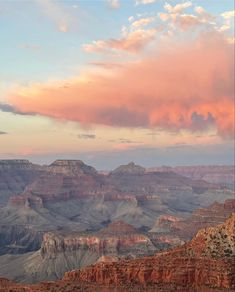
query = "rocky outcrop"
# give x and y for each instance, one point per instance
(18, 164)
(27, 201)
(205, 264)
(185, 229)
(205, 261)
(118, 228)
(70, 202)
(118, 239)
(130, 168)
(71, 168)
(63, 251)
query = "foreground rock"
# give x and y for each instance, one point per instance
(207, 260)
(61, 252)
(204, 264)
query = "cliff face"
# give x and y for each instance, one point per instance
(61, 252)
(118, 239)
(185, 229)
(204, 264)
(69, 202)
(205, 261)
(15, 175)
(71, 168)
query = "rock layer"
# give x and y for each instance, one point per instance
(204, 264)
(205, 261)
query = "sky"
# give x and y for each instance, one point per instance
(114, 81)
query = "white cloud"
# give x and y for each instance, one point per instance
(142, 22)
(144, 2)
(228, 14)
(177, 8)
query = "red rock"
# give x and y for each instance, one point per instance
(204, 264)
(205, 261)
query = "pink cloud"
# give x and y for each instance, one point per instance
(184, 86)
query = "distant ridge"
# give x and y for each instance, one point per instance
(130, 168)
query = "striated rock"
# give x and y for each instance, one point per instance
(18, 239)
(27, 201)
(118, 238)
(15, 175)
(70, 203)
(63, 251)
(119, 228)
(185, 229)
(71, 168)
(197, 263)
(130, 168)
(218, 174)
(166, 223)
(17, 164)
(205, 264)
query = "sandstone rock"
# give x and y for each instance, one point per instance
(192, 267)
(193, 264)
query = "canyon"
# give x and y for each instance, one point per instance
(206, 263)
(67, 215)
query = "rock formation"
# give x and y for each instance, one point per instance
(62, 251)
(207, 260)
(205, 264)
(15, 175)
(67, 215)
(185, 229)
(71, 167)
(130, 168)
(218, 174)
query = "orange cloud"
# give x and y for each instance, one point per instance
(184, 86)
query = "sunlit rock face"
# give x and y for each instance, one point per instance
(207, 261)
(205, 264)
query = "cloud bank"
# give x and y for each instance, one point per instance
(189, 86)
